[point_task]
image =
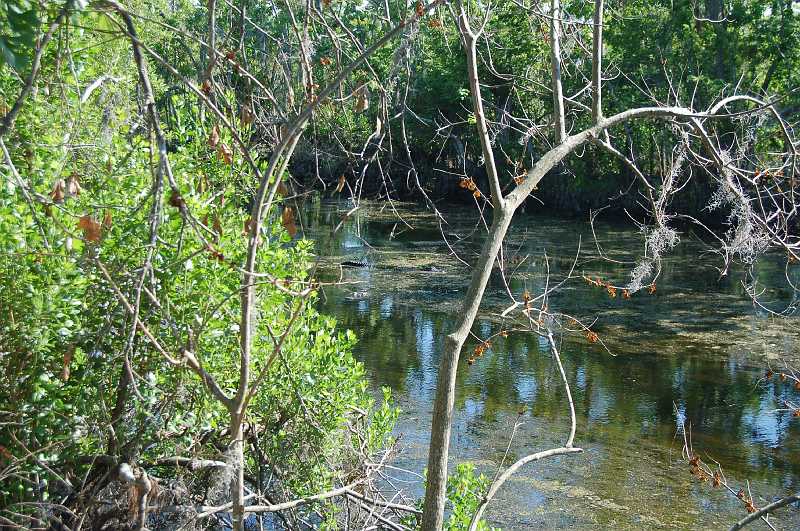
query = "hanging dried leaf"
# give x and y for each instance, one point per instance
(65, 371)
(57, 195)
(287, 216)
(248, 226)
(176, 200)
(107, 222)
(420, 8)
(362, 98)
(283, 190)
(73, 186)
(91, 228)
(217, 226)
(213, 138)
(340, 184)
(217, 255)
(224, 153)
(287, 220)
(246, 116)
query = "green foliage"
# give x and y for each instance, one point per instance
(65, 337)
(464, 492)
(19, 20)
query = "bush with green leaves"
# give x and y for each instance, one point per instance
(465, 490)
(84, 233)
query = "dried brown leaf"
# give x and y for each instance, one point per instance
(73, 186)
(224, 153)
(176, 200)
(57, 194)
(287, 220)
(246, 116)
(362, 99)
(92, 231)
(213, 138)
(68, 355)
(283, 190)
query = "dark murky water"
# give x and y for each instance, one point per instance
(697, 345)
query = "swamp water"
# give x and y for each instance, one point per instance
(695, 350)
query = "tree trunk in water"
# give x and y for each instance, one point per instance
(433, 514)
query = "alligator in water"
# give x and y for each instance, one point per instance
(355, 263)
(364, 263)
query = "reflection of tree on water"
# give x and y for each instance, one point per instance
(680, 347)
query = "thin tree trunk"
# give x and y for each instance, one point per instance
(433, 511)
(435, 492)
(237, 481)
(555, 59)
(723, 63)
(470, 41)
(433, 514)
(597, 62)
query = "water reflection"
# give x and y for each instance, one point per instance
(697, 346)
